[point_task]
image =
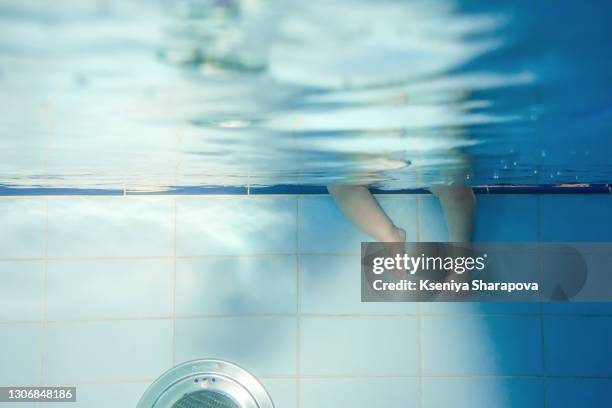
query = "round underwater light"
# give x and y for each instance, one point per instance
(206, 384)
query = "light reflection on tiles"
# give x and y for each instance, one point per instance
(111, 278)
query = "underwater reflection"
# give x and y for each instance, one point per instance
(149, 96)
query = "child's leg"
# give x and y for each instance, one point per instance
(458, 204)
(358, 204)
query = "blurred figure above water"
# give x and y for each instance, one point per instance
(153, 95)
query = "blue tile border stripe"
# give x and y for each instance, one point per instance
(41, 191)
(287, 189)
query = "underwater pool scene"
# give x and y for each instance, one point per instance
(185, 186)
(159, 95)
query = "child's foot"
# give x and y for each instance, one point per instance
(399, 235)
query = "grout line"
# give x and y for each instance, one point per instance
(296, 125)
(308, 315)
(543, 351)
(100, 382)
(298, 315)
(174, 285)
(542, 338)
(418, 219)
(421, 342)
(47, 153)
(298, 310)
(17, 322)
(229, 256)
(355, 376)
(453, 376)
(146, 257)
(437, 376)
(43, 339)
(232, 256)
(92, 320)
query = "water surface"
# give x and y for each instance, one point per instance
(152, 95)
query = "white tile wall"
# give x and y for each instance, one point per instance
(264, 346)
(331, 285)
(122, 350)
(108, 292)
(106, 395)
(477, 345)
(360, 392)
(22, 290)
(20, 353)
(22, 223)
(283, 392)
(109, 288)
(356, 345)
(236, 285)
(236, 226)
(111, 227)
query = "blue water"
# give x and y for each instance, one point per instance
(149, 95)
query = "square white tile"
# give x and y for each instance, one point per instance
(22, 290)
(236, 226)
(109, 288)
(482, 345)
(236, 285)
(111, 226)
(263, 346)
(282, 391)
(106, 395)
(125, 350)
(332, 284)
(20, 354)
(360, 392)
(359, 346)
(23, 228)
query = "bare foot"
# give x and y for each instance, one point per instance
(399, 235)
